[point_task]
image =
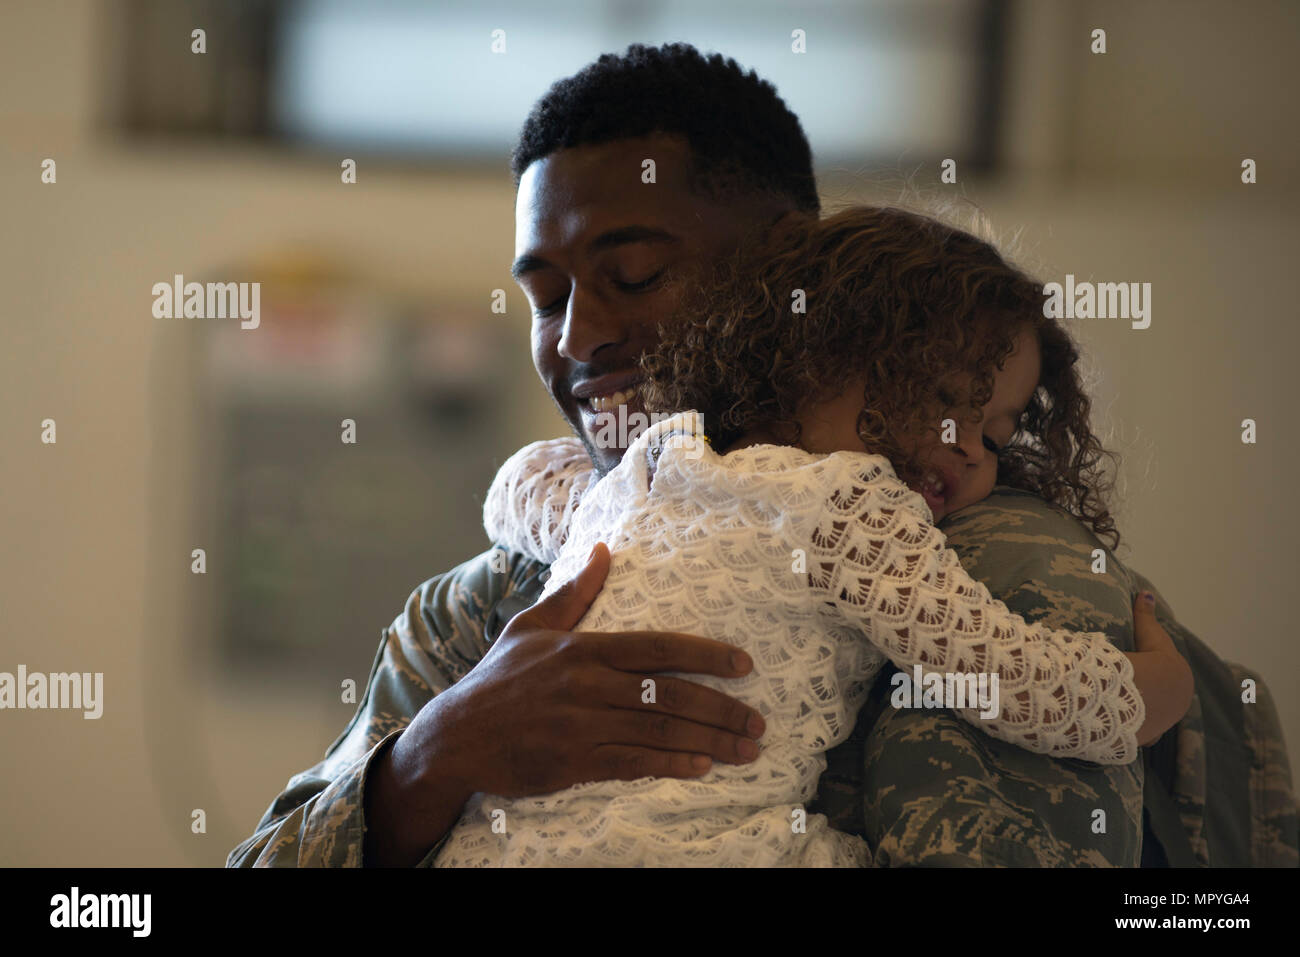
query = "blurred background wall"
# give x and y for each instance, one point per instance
(175, 435)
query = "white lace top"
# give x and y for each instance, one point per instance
(821, 568)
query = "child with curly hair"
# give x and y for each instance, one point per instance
(831, 394)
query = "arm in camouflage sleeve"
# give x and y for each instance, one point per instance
(319, 819)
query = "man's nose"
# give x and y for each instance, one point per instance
(589, 326)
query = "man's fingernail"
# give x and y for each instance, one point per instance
(756, 725)
(1148, 598)
(740, 661)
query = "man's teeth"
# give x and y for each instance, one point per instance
(608, 403)
(933, 484)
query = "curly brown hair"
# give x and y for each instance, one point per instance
(904, 300)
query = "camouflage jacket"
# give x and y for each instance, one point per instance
(921, 786)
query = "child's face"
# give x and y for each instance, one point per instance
(957, 474)
(963, 472)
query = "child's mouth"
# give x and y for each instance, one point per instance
(934, 490)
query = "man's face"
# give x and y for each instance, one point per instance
(602, 257)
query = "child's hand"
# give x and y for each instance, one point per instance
(1162, 675)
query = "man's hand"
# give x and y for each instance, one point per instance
(548, 707)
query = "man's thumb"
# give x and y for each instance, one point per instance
(564, 607)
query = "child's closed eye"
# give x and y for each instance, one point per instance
(991, 445)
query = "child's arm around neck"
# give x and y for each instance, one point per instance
(875, 563)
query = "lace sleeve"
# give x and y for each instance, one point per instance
(534, 496)
(882, 567)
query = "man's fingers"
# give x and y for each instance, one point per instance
(619, 762)
(565, 607)
(669, 651)
(664, 732)
(684, 699)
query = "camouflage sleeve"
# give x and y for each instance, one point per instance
(938, 792)
(1228, 776)
(1274, 829)
(445, 629)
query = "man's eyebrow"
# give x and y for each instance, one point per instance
(630, 234)
(526, 264)
(606, 240)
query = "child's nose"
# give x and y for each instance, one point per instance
(970, 444)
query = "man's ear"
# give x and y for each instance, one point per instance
(784, 223)
(790, 217)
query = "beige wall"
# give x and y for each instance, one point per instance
(1125, 168)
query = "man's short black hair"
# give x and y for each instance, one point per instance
(743, 138)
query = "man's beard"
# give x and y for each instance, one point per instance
(601, 455)
(601, 467)
(593, 453)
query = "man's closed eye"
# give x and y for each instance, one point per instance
(639, 286)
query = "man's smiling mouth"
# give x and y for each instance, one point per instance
(607, 392)
(608, 403)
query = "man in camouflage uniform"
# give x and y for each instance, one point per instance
(921, 786)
